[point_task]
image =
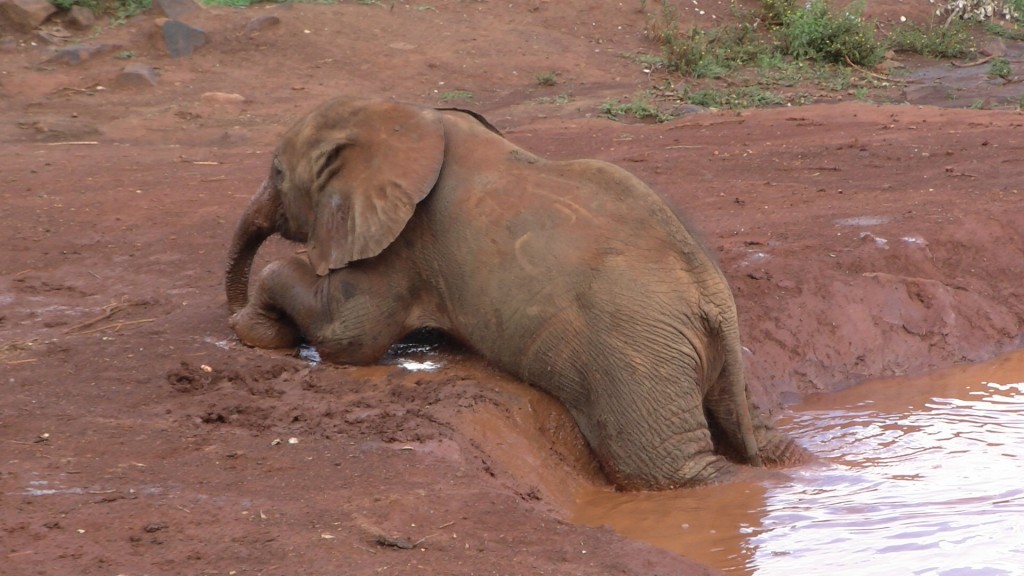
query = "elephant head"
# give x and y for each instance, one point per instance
(345, 181)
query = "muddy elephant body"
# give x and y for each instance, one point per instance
(573, 276)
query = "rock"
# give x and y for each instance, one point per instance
(74, 55)
(81, 18)
(25, 15)
(261, 23)
(994, 47)
(136, 76)
(180, 39)
(222, 98)
(177, 9)
(928, 94)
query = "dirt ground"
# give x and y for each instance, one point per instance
(137, 436)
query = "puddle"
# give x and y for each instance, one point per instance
(918, 476)
(419, 352)
(944, 84)
(862, 221)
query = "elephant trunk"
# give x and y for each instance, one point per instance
(257, 223)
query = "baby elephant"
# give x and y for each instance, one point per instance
(573, 276)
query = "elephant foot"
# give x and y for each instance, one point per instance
(702, 470)
(263, 329)
(778, 449)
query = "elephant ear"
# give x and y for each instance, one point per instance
(369, 178)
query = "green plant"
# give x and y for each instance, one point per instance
(1014, 33)
(950, 41)
(1014, 9)
(124, 55)
(547, 79)
(94, 5)
(775, 12)
(743, 97)
(230, 3)
(119, 10)
(640, 107)
(125, 9)
(1000, 68)
(816, 33)
(456, 95)
(699, 53)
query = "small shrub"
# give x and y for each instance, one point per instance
(1000, 68)
(547, 79)
(640, 108)
(816, 33)
(951, 41)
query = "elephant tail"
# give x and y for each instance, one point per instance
(735, 382)
(728, 401)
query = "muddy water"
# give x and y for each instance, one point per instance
(918, 476)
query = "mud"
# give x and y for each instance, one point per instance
(137, 436)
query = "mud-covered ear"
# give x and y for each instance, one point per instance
(369, 179)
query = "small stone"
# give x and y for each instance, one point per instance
(73, 55)
(25, 15)
(180, 39)
(261, 23)
(154, 527)
(81, 18)
(177, 9)
(136, 75)
(222, 98)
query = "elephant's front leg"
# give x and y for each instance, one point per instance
(352, 315)
(280, 303)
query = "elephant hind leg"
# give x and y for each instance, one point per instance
(649, 436)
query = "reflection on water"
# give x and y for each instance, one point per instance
(918, 476)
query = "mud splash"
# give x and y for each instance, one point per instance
(918, 476)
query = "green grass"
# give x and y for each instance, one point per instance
(1014, 33)
(640, 107)
(230, 3)
(734, 98)
(455, 95)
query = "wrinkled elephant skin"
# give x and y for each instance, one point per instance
(573, 276)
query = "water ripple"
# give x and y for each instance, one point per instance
(936, 490)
